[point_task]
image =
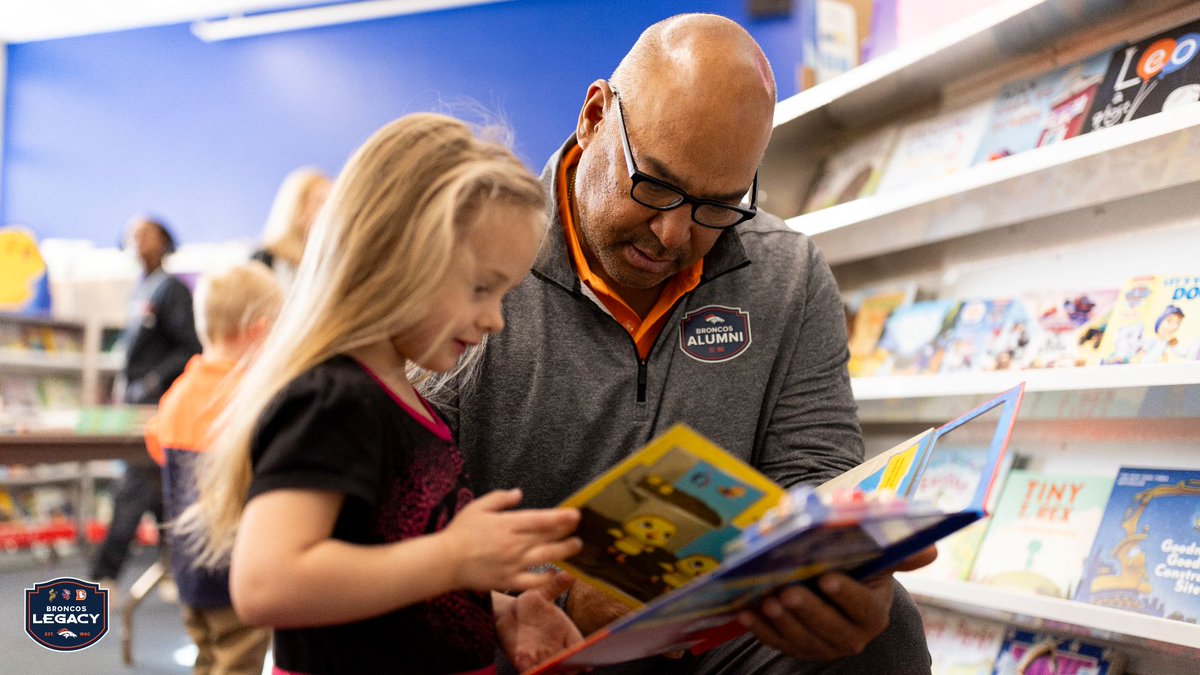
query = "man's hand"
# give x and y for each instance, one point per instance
(807, 627)
(531, 627)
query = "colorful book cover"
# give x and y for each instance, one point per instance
(1156, 74)
(912, 340)
(1146, 556)
(947, 480)
(869, 321)
(1041, 531)
(935, 148)
(1027, 653)
(961, 645)
(1042, 110)
(988, 334)
(852, 172)
(664, 515)
(1067, 325)
(1156, 320)
(804, 534)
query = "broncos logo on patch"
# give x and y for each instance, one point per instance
(715, 333)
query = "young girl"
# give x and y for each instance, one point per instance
(337, 491)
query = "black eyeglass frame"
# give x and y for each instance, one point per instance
(636, 177)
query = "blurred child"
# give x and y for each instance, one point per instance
(234, 311)
(336, 491)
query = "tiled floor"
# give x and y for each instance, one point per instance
(160, 644)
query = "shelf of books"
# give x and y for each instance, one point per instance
(36, 361)
(993, 36)
(1052, 613)
(1139, 157)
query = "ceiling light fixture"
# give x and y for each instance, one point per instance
(329, 15)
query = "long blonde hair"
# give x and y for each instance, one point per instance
(287, 226)
(382, 244)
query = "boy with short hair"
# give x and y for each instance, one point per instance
(234, 310)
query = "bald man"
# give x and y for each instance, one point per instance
(661, 295)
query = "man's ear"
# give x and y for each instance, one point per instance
(592, 113)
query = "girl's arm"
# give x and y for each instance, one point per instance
(286, 571)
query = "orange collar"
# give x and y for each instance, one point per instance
(644, 331)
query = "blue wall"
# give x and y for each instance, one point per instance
(100, 127)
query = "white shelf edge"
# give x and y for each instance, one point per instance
(1049, 379)
(958, 594)
(34, 360)
(814, 99)
(994, 173)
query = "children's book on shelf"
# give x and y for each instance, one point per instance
(1154, 75)
(832, 33)
(948, 476)
(1156, 319)
(988, 334)
(1029, 653)
(935, 148)
(1041, 531)
(853, 172)
(698, 535)
(961, 645)
(1068, 326)
(1041, 110)
(912, 340)
(870, 317)
(1146, 555)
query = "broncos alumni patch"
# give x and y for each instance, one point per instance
(714, 333)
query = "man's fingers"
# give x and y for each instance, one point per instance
(865, 608)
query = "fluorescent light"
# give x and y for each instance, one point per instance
(277, 22)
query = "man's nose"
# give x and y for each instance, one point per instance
(673, 228)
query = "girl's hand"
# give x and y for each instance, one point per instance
(490, 548)
(531, 627)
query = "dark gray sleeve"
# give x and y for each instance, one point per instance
(812, 433)
(179, 324)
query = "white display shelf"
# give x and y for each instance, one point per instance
(1048, 379)
(915, 73)
(110, 362)
(1052, 613)
(1137, 158)
(26, 360)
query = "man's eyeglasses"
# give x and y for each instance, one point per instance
(662, 196)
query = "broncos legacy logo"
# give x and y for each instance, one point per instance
(714, 333)
(66, 614)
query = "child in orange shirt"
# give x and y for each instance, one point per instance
(234, 310)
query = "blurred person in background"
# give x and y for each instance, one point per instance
(296, 204)
(159, 339)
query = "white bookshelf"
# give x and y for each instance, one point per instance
(1042, 380)
(1054, 613)
(29, 361)
(1081, 214)
(1060, 178)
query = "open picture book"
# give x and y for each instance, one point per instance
(688, 535)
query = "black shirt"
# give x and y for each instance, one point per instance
(338, 428)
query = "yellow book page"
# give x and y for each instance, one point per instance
(896, 463)
(662, 517)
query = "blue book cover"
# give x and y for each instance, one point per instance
(1028, 653)
(988, 334)
(1146, 555)
(911, 341)
(1042, 110)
